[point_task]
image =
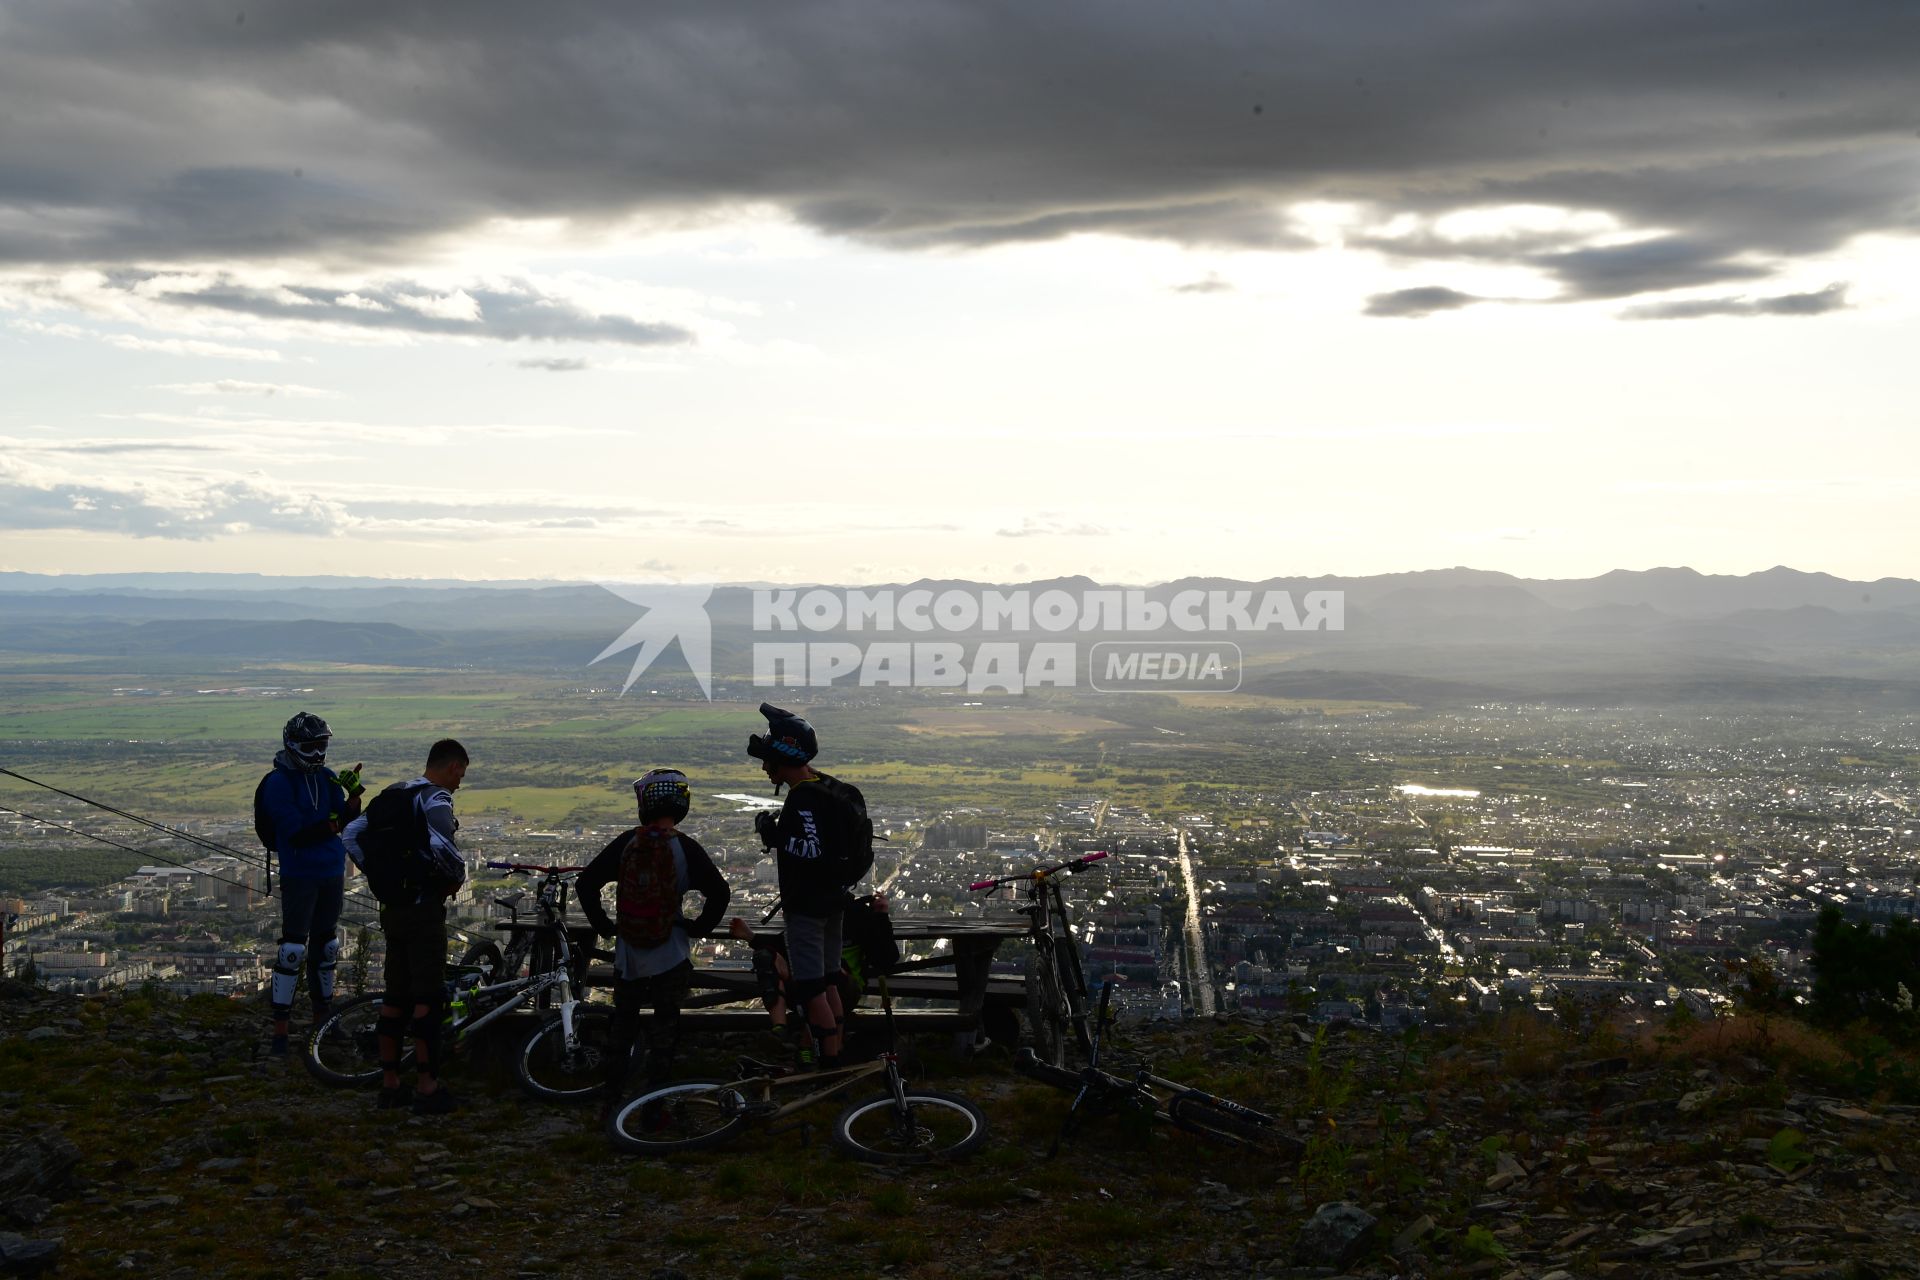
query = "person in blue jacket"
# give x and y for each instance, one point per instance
(308, 805)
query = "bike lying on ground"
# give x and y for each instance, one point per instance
(1154, 1097)
(1055, 982)
(901, 1126)
(565, 1057)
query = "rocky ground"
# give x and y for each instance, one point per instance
(148, 1136)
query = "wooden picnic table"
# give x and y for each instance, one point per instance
(962, 973)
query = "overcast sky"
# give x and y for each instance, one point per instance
(843, 291)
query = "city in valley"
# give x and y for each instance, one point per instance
(1372, 862)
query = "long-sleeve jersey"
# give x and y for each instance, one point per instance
(694, 870)
(303, 806)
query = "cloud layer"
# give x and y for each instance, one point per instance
(1723, 141)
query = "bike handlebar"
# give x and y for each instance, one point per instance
(532, 869)
(1076, 865)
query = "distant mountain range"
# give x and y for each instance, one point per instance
(1432, 636)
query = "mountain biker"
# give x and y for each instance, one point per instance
(653, 866)
(415, 926)
(304, 806)
(821, 840)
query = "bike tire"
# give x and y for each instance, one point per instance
(689, 1116)
(1030, 1065)
(344, 1050)
(486, 955)
(1048, 1014)
(938, 1126)
(549, 1073)
(1196, 1115)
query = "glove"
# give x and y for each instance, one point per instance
(349, 779)
(765, 824)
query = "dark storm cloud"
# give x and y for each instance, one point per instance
(1736, 136)
(1818, 302)
(1422, 301)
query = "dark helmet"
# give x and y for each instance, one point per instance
(305, 738)
(663, 793)
(789, 739)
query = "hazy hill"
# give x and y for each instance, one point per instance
(1444, 634)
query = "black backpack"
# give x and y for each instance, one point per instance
(394, 843)
(262, 820)
(860, 828)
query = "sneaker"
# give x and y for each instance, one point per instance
(437, 1103)
(393, 1099)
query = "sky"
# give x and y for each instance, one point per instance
(825, 291)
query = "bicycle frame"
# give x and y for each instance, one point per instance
(757, 1090)
(1052, 932)
(550, 901)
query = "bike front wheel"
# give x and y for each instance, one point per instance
(344, 1050)
(929, 1126)
(679, 1117)
(1049, 1016)
(552, 1072)
(1199, 1115)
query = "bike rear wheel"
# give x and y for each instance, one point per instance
(679, 1117)
(934, 1126)
(551, 1072)
(485, 955)
(344, 1050)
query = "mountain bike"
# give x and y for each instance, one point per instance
(563, 1059)
(900, 1126)
(529, 944)
(1056, 984)
(1154, 1098)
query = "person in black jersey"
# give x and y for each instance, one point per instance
(822, 843)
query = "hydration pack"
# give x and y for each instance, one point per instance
(649, 900)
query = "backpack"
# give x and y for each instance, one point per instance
(649, 899)
(262, 820)
(870, 947)
(857, 863)
(392, 844)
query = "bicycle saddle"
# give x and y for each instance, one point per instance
(754, 1067)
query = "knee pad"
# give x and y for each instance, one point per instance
(329, 966)
(389, 1027)
(425, 1026)
(768, 975)
(286, 972)
(805, 989)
